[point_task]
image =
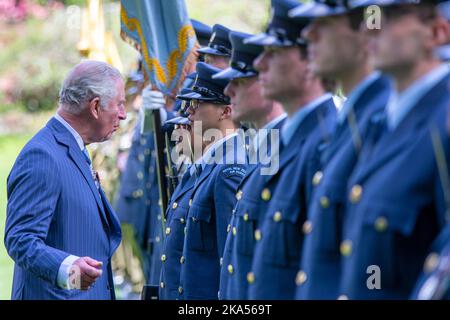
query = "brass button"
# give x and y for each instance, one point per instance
(265, 194)
(245, 217)
(229, 228)
(230, 269)
(182, 259)
(317, 178)
(381, 224)
(163, 258)
(234, 231)
(431, 262)
(277, 216)
(324, 202)
(239, 195)
(346, 248)
(140, 175)
(175, 205)
(162, 285)
(258, 235)
(182, 221)
(342, 297)
(190, 202)
(160, 202)
(356, 193)
(300, 278)
(307, 227)
(141, 158)
(157, 239)
(180, 290)
(250, 277)
(143, 141)
(167, 231)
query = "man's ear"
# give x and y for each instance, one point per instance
(226, 113)
(94, 107)
(441, 31)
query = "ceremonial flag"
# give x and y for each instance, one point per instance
(161, 30)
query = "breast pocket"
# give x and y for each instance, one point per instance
(201, 232)
(325, 220)
(247, 217)
(281, 234)
(175, 229)
(387, 240)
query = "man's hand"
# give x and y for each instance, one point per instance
(84, 272)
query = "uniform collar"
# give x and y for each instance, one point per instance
(355, 94)
(400, 104)
(74, 133)
(292, 123)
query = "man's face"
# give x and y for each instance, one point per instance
(282, 72)
(246, 99)
(110, 117)
(400, 43)
(333, 47)
(220, 62)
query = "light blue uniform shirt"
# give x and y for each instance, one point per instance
(355, 94)
(400, 104)
(292, 123)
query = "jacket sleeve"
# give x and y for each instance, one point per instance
(226, 184)
(33, 190)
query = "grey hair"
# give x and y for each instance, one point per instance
(87, 80)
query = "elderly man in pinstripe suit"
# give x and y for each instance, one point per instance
(60, 229)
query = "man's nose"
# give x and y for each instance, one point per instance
(122, 114)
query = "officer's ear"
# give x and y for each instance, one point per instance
(94, 107)
(226, 113)
(441, 31)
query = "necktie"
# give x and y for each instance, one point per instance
(93, 172)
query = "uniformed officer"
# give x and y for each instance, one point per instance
(220, 169)
(434, 282)
(176, 217)
(285, 77)
(333, 24)
(394, 207)
(218, 51)
(249, 106)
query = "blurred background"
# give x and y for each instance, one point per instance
(40, 40)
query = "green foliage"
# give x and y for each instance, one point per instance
(10, 146)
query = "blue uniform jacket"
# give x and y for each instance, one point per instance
(320, 262)
(240, 241)
(214, 198)
(173, 244)
(394, 207)
(279, 236)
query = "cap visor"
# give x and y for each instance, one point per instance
(263, 39)
(228, 74)
(208, 50)
(194, 95)
(314, 10)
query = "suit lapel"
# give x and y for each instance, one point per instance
(75, 154)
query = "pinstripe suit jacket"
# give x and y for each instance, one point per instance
(54, 210)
